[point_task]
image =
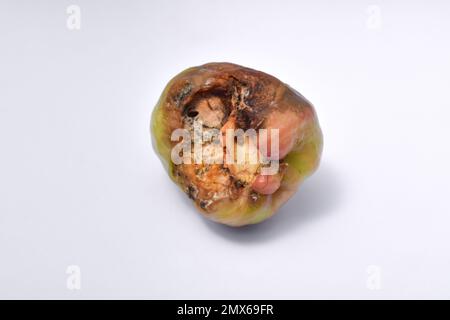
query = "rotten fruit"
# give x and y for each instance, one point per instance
(207, 116)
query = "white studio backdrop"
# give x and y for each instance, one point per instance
(87, 211)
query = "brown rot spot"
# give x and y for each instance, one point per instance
(192, 114)
(239, 184)
(192, 192)
(182, 94)
(243, 119)
(254, 196)
(204, 204)
(209, 108)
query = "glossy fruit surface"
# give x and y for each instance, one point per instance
(223, 96)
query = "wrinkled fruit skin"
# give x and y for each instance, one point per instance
(244, 98)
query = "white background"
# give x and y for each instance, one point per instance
(80, 184)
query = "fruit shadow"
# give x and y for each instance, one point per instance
(316, 198)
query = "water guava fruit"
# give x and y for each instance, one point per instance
(192, 118)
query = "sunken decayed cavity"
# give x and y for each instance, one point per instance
(205, 103)
(216, 111)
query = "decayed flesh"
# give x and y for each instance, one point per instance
(210, 183)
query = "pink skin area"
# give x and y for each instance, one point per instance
(266, 184)
(289, 125)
